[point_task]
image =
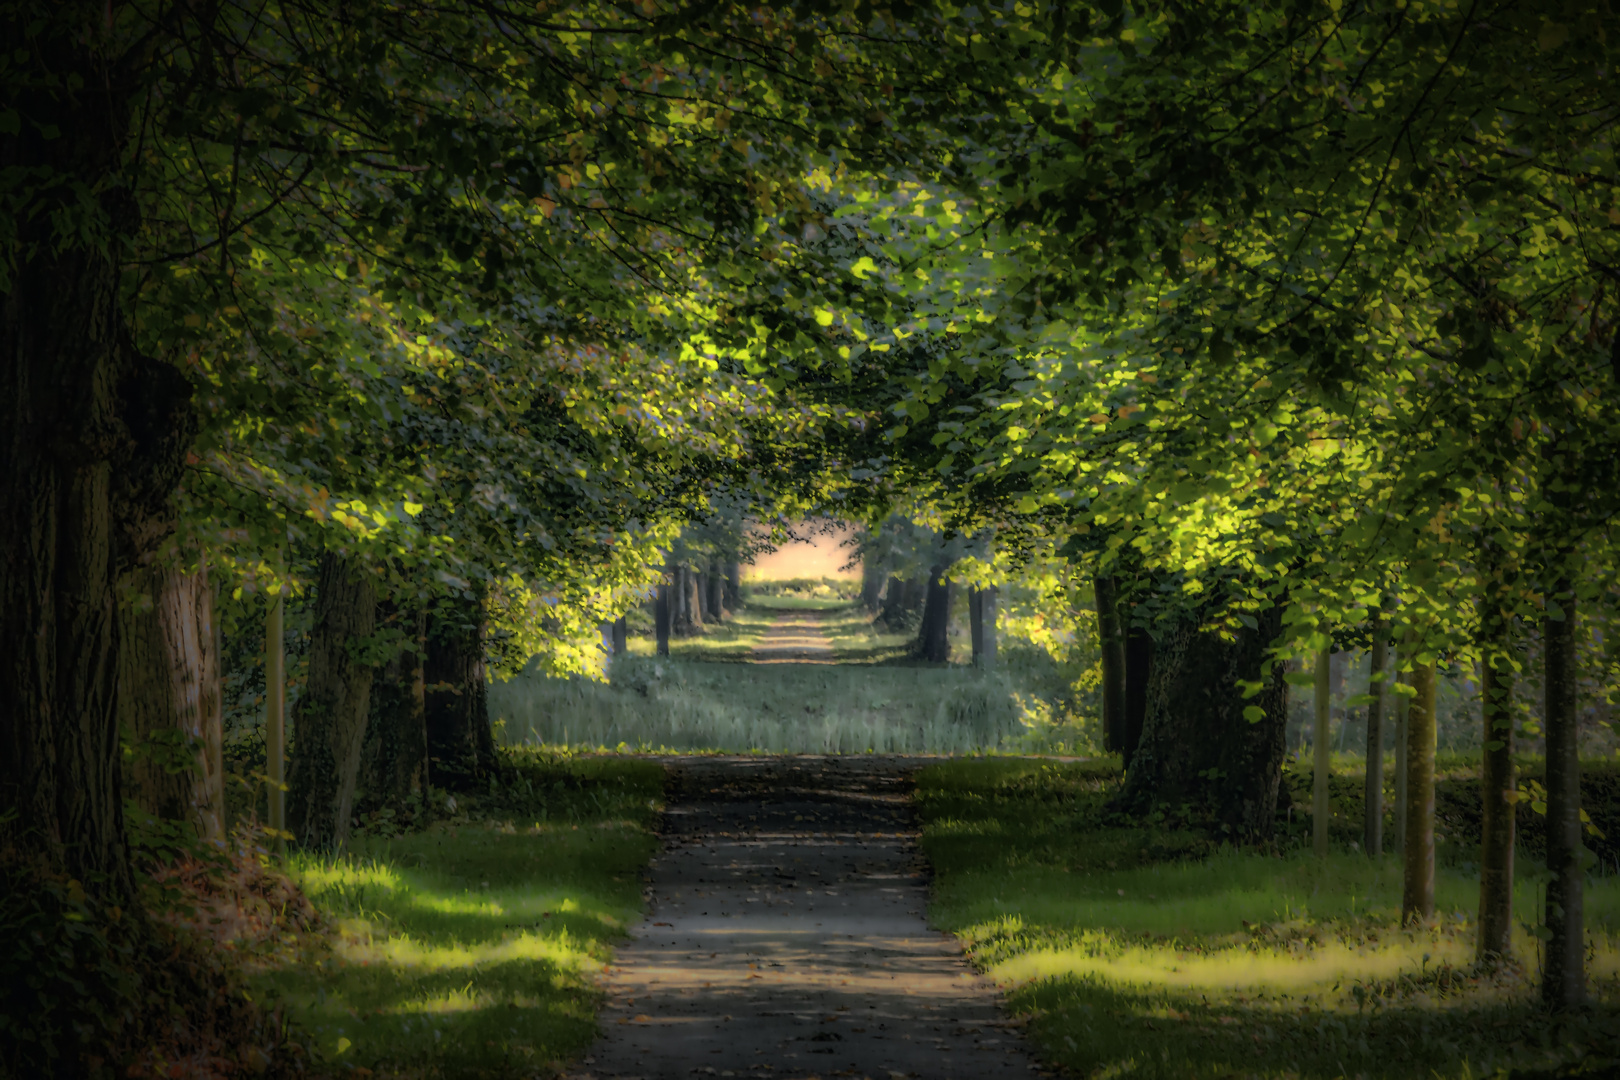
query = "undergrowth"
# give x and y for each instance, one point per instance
(1161, 953)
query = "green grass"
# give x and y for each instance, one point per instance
(782, 708)
(730, 641)
(466, 950)
(1136, 952)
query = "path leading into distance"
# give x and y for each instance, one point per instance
(795, 637)
(785, 938)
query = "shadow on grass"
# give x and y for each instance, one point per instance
(465, 950)
(1154, 952)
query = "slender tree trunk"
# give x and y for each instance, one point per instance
(1320, 752)
(1497, 786)
(1372, 827)
(461, 746)
(621, 637)
(1139, 651)
(275, 716)
(329, 723)
(1564, 975)
(975, 625)
(663, 615)
(1197, 747)
(1417, 894)
(933, 641)
(395, 754)
(1111, 645)
(694, 606)
(1403, 712)
(169, 697)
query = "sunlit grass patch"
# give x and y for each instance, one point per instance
(1136, 952)
(467, 950)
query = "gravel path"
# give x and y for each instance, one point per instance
(786, 937)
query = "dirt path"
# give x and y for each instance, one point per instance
(786, 937)
(795, 637)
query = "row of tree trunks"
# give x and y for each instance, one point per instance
(1196, 745)
(902, 600)
(169, 697)
(329, 722)
(982, 604)
(933, 633)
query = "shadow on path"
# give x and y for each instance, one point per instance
(795, 637)
(786, 937)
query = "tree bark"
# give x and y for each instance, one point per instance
(982, 620)
(933, 640)
(395, 754)
(717, 599)
(329, 721)
(663, 615)
(700, 587)
(733, 595)
(1563, 983)
(694, 605)
(1111, 646)
(1403, 710)
(1372, 827)
(872, 581)
(461, 746)
(93, 439)
(169, 697)
(1497, 787)
(1139, 650)
(1322, 760)
(621, 637)
(1417, 893)
(1197, 747)
(899, 602)
(275, 716)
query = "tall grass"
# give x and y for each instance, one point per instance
(679, 705)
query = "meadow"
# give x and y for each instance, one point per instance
(1155, 952)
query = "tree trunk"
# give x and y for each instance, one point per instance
(1197, 747)
(1372, 827)
(169, 698)
(621, 637)
(395, 755)
(1417, 893)
(733, 596)
(982, 616)
(1497, 787)
(461, 746)
(717, 599)
(1111, 646)
(1403, 710)
(329, 721)
(1322, 760)
(663, 615)
(694, 605)
(275, 716)
(1563, 982)
(872, 581)
(933, 640)
(93, 439)
(895, 605)
(1139, 652)
(705, 612)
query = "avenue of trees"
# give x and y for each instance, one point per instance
(1287, 326)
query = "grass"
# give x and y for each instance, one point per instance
(684, 705)
(730, 641)
(466, 950)
(1153, 953)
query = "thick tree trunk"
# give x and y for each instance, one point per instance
(717, 599)
(394, 758)
(982, 620)
(461, 746)
(694, 605)
(733, 587)
(705, 612)
(1139, 650)
(1111, 646)
(933, 640)
(329, 722)
(1372, 826)
(621, 637)
(1563, 982)
(663, 615)
(1417, 892)
(1197, 747)
(92, 444)
(169, 697)
(1322, 761)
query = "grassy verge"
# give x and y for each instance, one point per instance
(465, 949)
(730, 641)
(1152, 953)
